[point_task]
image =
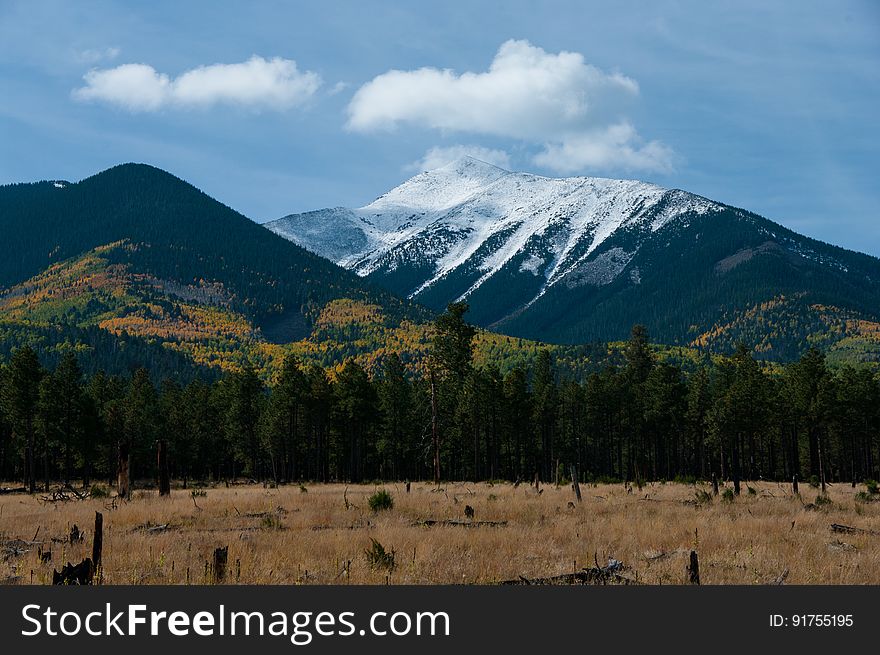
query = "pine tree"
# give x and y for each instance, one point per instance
(139, 428)
(355, 415)
(68, 394)
(243, 418)
(450, 364)
(546, 402)
(283, 429)
(21, 395)
(396, 405)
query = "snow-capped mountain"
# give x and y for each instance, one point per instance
(470, 220)
(567, 259)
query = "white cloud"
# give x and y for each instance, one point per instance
(256, 83)
(136, 87)
(558, 101)
(617, 146)
(440, 156)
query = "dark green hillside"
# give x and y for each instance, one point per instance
(180, 234)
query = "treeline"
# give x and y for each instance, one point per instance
(643, 420)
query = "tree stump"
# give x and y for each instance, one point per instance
(98, 545)
(714, 484)
(693, 569)
(794, 485)
(79, 574)
(221, 555)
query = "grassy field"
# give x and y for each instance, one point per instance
(319, 534)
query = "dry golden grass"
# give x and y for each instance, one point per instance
(286, 536)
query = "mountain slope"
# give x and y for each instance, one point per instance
(134, 267)
(582, 259)
(177, 233)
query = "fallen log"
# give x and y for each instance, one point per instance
(429, 523)
(78, 495)
(848, 529)
(597, 575)
(17, 548)
(149, 528)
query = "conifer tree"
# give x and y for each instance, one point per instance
(21, 395)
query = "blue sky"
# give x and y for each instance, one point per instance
(277, 107)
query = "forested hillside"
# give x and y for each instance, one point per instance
(644, 419)
(720, 279)
(177, 233)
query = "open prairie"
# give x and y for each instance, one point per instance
(320, 534)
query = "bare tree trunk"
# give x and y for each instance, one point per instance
(30, 468)
(575, 483)
(45, 464)
(162, 457)
(435, 431)
(123, 484)
(736, 465)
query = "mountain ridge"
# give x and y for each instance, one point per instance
(571, 260)
(379, 235)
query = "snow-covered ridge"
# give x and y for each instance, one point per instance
(472, 219)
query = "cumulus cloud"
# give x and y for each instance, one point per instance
(440, 156)
(257, 83)
(558, 101)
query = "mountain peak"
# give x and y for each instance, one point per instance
(449, 231)
(439, 189)
(468, 166)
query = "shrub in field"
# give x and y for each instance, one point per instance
(380, 500)
(727, 496)
(702, 496)
(821, 501)
(98, 492)
(270, 522)
(872, 487)
(752, 491)
(814, 481)
(378, 557)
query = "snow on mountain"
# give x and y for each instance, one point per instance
(463, 224)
